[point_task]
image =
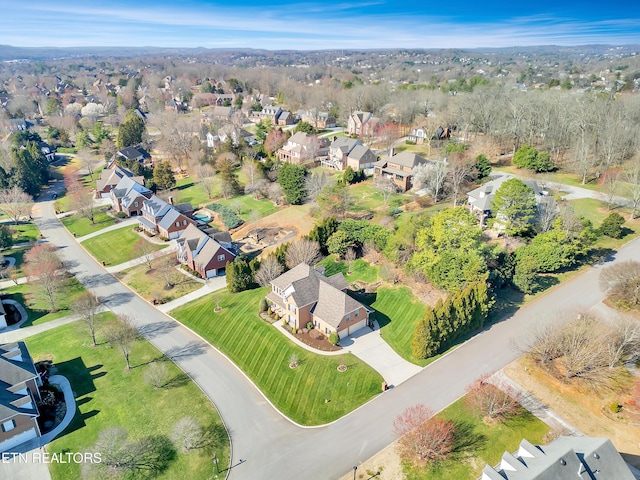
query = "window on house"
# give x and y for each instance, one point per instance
(292, 307)
(348, 317)
(135, 204)
(398, 177)
(221, 257)
(177, 224)
(355, 314)
(184, 222)
(8, 426)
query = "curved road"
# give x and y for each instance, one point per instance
(270, 446)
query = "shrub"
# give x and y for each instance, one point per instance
(334, 338)
(263, 305)
(309, 325)
(294, 330)
(229, 218)
(121, 215)
(612, 225)
(615, 407)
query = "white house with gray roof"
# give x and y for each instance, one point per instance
(349, 152)
(304, 295)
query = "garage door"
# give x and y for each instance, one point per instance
(353, 328)
(7, 445)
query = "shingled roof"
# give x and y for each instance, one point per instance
(16, 368)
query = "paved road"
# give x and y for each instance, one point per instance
(273, 447)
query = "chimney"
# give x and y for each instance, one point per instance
(171, 200)
(335, 137)
(391, 152)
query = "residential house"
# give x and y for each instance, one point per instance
(128, 196)
(362, 124)
(162, 218)
(203, 253)
(10, 125)
(419, 135)
(319, 120)
(19, 395)
(304, 295)
(110, 177)
(48, 151)
(349, 152)
(176, 105)
(225, 99)
(566, 458)
(286, 118)
(134, 154)
(400, 168)
(303, 148)
(480, 200)
(271, 113)
(236, 134)
(217, 113)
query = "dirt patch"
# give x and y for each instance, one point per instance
(584, 407)
(263, 237)
(387, 462)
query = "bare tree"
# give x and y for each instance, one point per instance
(302, 251)
(546, 214)
(88, 160)
(611, 182)
(386, 187)
(350, 257)
(254, 218)
(423, 437)
(165, 265)
(269, 269)
(632, 178)
(206, 175)
(87, 306)
(156, 374)
(122, 334)
(622, 280)
(252, 169)
(432, 175)
(146, 251)
(188, 434)
(275, 193)
(45, 272)
(460, 169)
(316, 183)
(82, 202)
(493, 401)
(15, 203)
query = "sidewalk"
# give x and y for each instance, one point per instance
(212, 285)
(22, 333)
(124, 223)
(535, 406)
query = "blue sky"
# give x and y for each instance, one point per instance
(317, 24)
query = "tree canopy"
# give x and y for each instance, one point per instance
(291, 178)
(514, 205)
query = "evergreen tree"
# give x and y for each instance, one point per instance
(291, 179)
(163, 176)
(515, 205)
(131, 131)
(322, 231)
(425, 337)
(483, 166)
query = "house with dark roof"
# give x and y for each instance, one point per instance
(19, 395)
(128, 196)
(319, 120)
(203, 253)
(566, 458)
(134, 154)
(162, 218)
(304, 295)
(110, 177)
(349, 152)
(400, 168)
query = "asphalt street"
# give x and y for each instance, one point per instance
(265, 445)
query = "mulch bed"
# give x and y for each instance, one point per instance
(317, 340)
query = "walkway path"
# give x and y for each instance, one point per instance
(124, 223)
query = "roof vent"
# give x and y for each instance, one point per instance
(563, 461)
(596, 455)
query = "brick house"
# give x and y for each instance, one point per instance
(399, 168)
(203, 253)
(110, 177)
(128, 196)
(304, 295)
(349, 152)
(362, 123)
(162, 218)
(19, 393)
(303, 149)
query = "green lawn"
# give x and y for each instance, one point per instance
(81, 226)
(367, 198)
(597, 211)
(398, 312)
(188, 190)
(479, 444)
(18, 254)
(24, 232)
(263, 354)
(108, 396)
(102, 246)
(151, 284)
(361, 271)
(249, 204)
(38, 307)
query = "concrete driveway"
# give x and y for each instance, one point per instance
(369, 347)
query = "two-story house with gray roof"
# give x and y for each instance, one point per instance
(400, 168)
(304, 295)
(19, 393)
(128, 196)
(349, 152)
(110, 177)
(203, 253)
(162, 218)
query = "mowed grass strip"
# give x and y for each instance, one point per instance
(116, 247)
(398, 312)
(247, 204)
(361, 271)
(81, 226)
(367, 198)
(312, 394)
(109, 396)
